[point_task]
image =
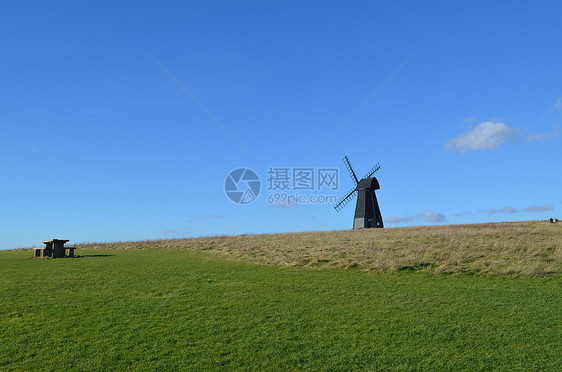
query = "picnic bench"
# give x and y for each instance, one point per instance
(54, 248)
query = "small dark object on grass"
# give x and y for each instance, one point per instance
(54, 248)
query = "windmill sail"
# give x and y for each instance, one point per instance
(350, 170)
(344, 201)
(373, 170)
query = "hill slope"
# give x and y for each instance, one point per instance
(197, 304)
(533, 247)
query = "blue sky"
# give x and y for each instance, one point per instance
(121, 121)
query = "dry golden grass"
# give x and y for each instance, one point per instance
(533, 247)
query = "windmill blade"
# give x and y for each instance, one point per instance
(372, 171)
(343, 202)
(350, 170)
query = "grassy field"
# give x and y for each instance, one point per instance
(533, 247)
(203, 305)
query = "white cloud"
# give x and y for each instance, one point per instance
(503, 210)
(433, 217)
(543, 136)
(485, 135)
(510, 210)
(539, 208)
(171, 231)
(558, 104)
(530, 208)
(462, 214)
(177, 232)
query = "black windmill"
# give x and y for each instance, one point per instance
(367, 212)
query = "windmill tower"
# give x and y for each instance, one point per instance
(367, 212)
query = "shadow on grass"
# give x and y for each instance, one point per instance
(94, 255)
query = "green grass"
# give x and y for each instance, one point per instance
(154, 309)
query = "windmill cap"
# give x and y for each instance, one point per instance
(370, 183)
